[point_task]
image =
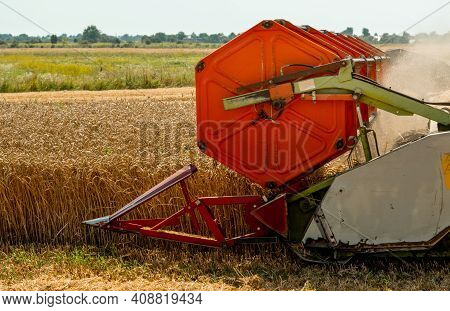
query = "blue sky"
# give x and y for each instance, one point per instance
(170, 16)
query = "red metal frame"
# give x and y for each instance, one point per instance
(196, 210)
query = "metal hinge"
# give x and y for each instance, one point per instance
(324, 227)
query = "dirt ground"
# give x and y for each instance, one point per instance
(97, 96)
(163, 267)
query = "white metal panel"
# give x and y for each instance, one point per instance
(399, 197)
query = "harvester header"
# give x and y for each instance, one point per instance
(277, 103)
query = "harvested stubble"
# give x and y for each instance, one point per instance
(67, 157)
(129, 268)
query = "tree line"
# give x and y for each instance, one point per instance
(92, 34)
(381, 39)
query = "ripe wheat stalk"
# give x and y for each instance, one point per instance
(65, 159)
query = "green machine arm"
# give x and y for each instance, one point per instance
(347, 82)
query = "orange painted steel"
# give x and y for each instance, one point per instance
(275, 144)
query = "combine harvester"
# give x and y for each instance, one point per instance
(279, 102)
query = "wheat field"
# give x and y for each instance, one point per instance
(67, 159)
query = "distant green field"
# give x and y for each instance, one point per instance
(169, 45)
(24, 70)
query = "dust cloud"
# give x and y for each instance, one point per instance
(423, 72)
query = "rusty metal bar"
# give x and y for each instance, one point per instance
(161, 187)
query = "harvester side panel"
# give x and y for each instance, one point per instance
(373, 50)
(342, 51)
(362, 52)
(327, 36)
(398, 198)
(270, 146)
